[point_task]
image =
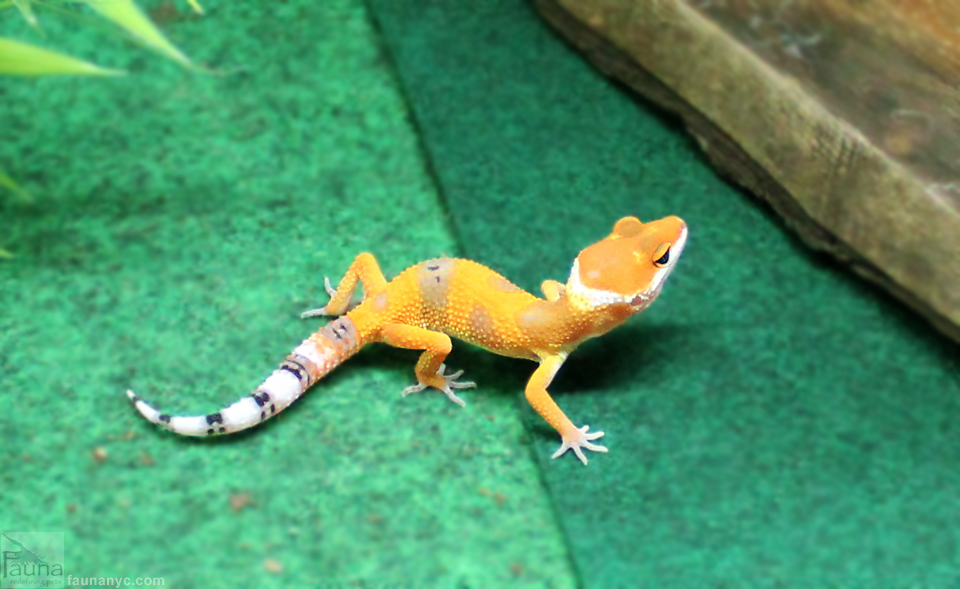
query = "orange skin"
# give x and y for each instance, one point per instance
(427, 304)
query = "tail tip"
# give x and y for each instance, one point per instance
(147, 410)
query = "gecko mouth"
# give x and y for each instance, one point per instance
(640, 301)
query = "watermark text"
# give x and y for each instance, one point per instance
(114, 581)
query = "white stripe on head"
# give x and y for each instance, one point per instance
(593, 297)
(675, 250)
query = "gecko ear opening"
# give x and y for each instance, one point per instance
(627, 227)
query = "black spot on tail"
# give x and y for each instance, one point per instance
(341, 333)
(164, 418)
(215, 418)
(261, 397)
(296, 370)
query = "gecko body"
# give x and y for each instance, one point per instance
(430, 302)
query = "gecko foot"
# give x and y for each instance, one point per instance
(322, 310)
(449, 383)
(577, 440)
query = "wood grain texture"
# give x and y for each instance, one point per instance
(842, 118)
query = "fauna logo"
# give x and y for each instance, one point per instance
(31, 559)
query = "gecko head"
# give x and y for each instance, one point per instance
(630, 266)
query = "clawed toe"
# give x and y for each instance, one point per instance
(413, 389)
(449, 384)
(351, 304)
(328, 287)
(578, 440)
(322, 310)
(451, 380)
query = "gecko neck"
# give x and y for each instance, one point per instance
(566, 322)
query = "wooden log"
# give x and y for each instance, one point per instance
(844, 117)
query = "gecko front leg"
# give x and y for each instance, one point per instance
(552, 290)
(574, 438)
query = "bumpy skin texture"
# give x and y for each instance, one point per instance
(427, 304)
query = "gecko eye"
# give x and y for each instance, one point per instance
(662, 260)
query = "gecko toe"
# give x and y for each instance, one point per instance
(322, 311)
(577, 440)
(412, 389)
(453, 397)
(446, 387)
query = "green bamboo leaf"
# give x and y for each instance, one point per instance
(129, 16)
(27, 11)
(5, 254)
(28, 60)
(8, 183)
(196, 6)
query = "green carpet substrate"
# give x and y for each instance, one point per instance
(183, 223)
(772, 420)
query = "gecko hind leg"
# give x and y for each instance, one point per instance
(449, 383)
(321, 311)
(364, 270)
(430, 368)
